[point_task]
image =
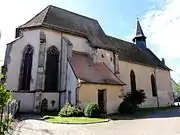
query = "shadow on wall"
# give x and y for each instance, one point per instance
(148, 113)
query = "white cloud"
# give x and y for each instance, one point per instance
(162, 29)
(14, 13)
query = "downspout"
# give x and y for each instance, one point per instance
(60, 73)
(114, 62)
(78, 86)
(156, 87)
(66, 91)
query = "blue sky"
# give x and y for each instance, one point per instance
(160, 20)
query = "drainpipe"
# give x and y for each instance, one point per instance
(78, 86)
(114, 62)
(156, 87)
(60, 73)
(66, 95)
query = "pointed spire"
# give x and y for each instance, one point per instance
(139, 38)
(139, 31)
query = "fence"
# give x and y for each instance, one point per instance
(8, 111)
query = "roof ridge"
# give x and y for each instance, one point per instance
(47, 8)
(46, 13)
(120, 39)
(74, 13)
(132, 44)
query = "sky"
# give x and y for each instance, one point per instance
(160, 21)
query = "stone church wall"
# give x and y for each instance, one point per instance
(143, 81)
(106, 57)
(71, 85)
(16, 54)
(26, 101)
(80, 44)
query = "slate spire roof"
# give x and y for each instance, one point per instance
(65, 21)
(139, 31)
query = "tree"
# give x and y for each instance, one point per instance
(5, 97)
(178, 88)
(135, 97)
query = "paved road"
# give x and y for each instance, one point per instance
(163, 123)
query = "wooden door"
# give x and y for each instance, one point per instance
(102, 100)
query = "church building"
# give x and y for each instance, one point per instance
(59, 56)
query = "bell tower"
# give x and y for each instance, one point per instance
(139, 39)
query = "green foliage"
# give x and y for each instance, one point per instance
(135, 97)
(74, 120)
(127, 108)
(5, 126)
(5, 97)
(70, 111)
(131, 101)
(92, 110)
(178, 87)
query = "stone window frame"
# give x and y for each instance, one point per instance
(54, 51)
(153, 85)
(27, 49)
(132, 80)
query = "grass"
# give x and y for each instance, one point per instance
(73, 120)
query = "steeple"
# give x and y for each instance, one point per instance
(139, 38)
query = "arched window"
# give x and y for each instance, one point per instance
(153, 85)
(133, 80)
(51, 79)
(26, 66)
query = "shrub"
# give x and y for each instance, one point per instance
(131, 101)
(70, 111)
(135, 97)
(127, 108)
(92, 110)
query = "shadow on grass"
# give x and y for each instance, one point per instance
(146, 113)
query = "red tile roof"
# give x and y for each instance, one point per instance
(89, 72)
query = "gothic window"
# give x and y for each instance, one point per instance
(153, 85)
(133, 80)
(51, 79)
(26, 66)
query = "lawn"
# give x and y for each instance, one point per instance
(73, 120)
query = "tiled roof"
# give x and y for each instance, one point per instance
(132, 53)
(89, 72)
(63, 20)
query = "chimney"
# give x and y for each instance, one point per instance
(163, 61)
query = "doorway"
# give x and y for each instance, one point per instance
(102, 100)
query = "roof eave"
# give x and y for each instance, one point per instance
(103, 83)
